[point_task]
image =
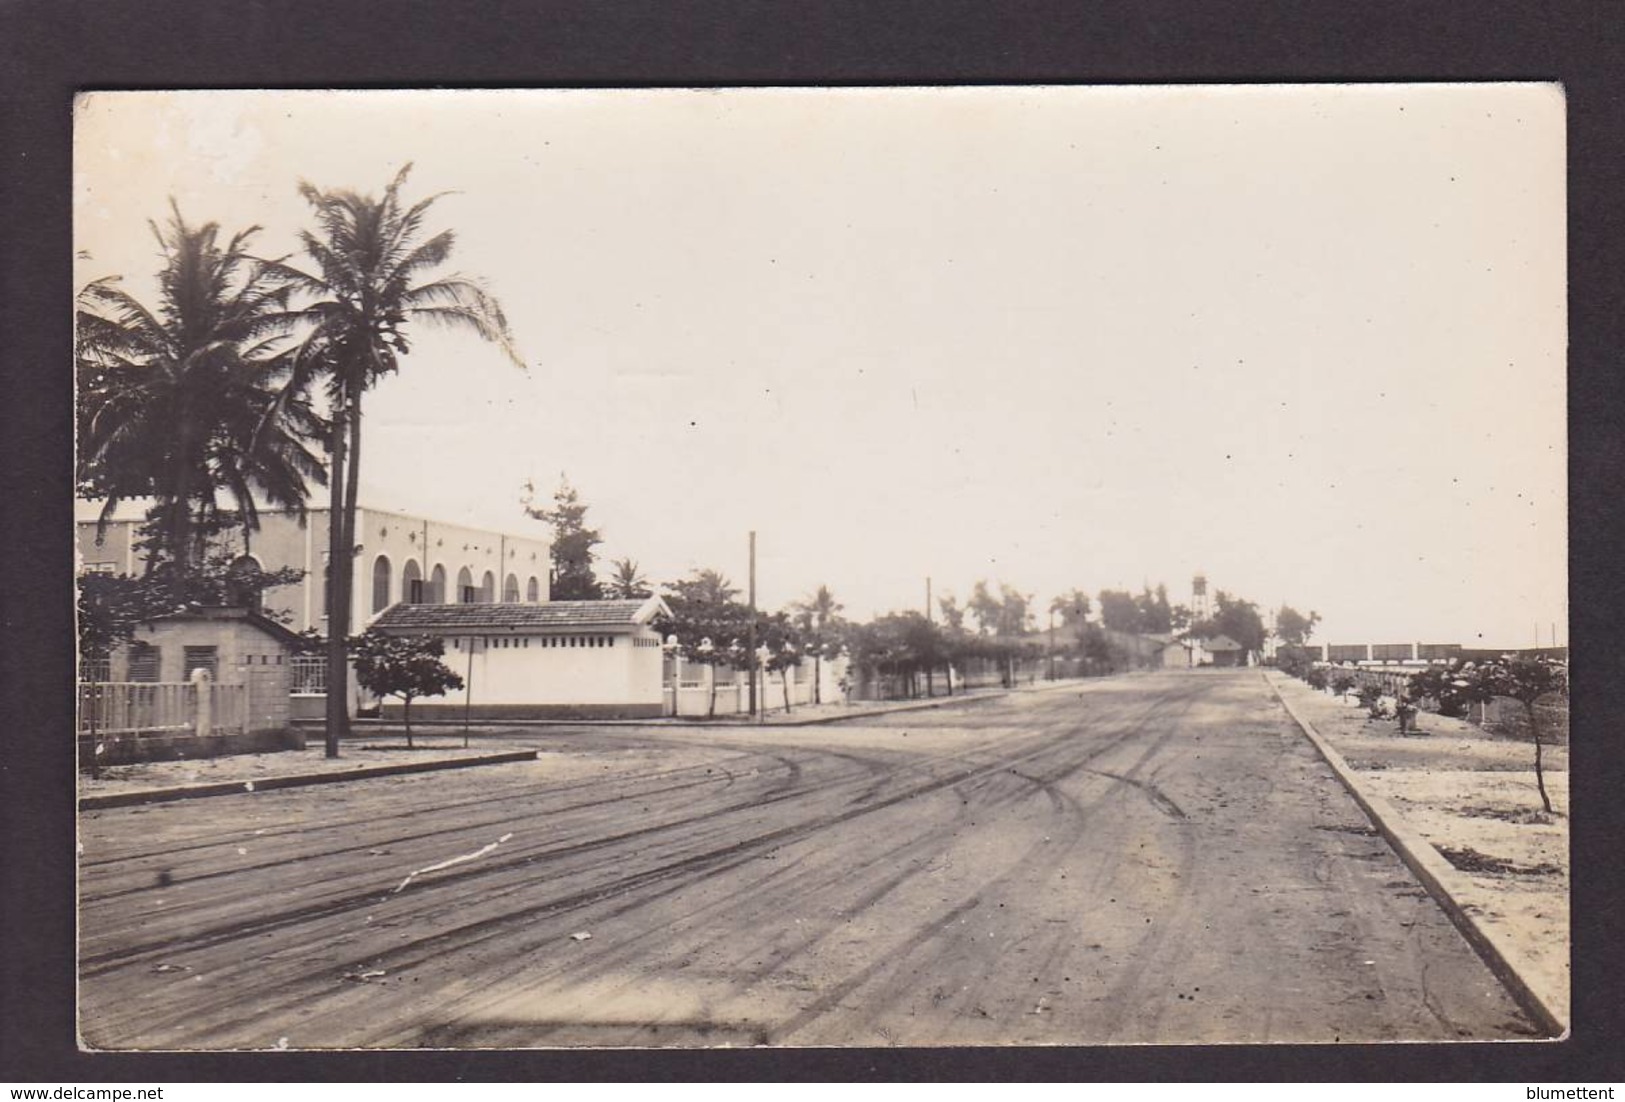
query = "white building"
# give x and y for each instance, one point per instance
(400, 557)
(558, 659)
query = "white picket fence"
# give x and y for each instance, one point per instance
(148, 708)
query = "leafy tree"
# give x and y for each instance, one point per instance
(371, 282)
(628, 582)
(188, 401)
(1293, 627)
(702, 589)
(1239, 620)
(1342, 683)
(1526, 680)
(709, 626)
(1007, 615)
(1118, 610)
(780, 649)
(1073, 609)
(902, 645)
(407, 666)
(573, 576)
(953, 617)
(1154, 615)
(1445, 687)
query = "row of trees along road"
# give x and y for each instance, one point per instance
(1450, 690)
(245, 380)
(231, 382)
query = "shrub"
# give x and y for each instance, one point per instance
(1371, 700)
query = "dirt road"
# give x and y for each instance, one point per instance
(1149, 859)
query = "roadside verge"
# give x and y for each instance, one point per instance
(1461, 900)
(166, 794)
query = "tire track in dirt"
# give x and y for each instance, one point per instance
(696, 863)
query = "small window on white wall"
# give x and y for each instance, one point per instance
(201, 658)
(144, 662)
(380, 584)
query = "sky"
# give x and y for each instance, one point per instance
(1308, 341)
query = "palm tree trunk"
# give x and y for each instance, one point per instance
(338, 598)
(406, 718)
(352, 494)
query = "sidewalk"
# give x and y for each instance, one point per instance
(381, 756)
(1460, 807)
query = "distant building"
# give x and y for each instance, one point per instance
(401, 557)
(1221, 650)
(554, 659)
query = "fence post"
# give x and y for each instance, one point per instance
(205, 701)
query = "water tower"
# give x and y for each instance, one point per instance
(1201, 606)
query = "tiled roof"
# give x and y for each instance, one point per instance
(454, 619)
(1222, 642)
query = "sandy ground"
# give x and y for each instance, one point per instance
(1162, 859)
(1473, 797)
(387, 746)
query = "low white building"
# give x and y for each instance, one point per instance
(559, 659)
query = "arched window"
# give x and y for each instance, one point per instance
(437, 586)
(533, 590)
(380, 583)
(240, 581)
(488, 588)
(465, 587)
(510, 590)
(412, 583)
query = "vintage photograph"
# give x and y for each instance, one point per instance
(1062, 566)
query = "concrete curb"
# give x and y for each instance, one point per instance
(294, 780)
(1438, 876)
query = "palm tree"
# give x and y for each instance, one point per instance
(816, 616)
(628, 581)
(191, 399)
(356, 306)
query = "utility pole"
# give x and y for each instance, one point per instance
(750, 644)
(1052, 643)
(928, 598)
(468, 691)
